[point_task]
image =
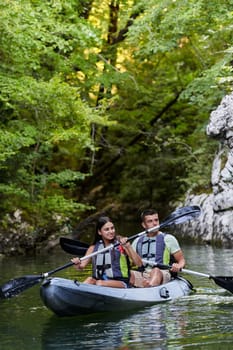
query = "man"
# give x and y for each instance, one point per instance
(157, 247)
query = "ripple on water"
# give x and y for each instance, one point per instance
(205, 320)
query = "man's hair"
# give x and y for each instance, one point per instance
(148, 212)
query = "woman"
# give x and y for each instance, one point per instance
(110, 268)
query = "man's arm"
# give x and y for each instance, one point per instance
(176, 252)
(180, 261)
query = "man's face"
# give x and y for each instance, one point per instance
(151, 221)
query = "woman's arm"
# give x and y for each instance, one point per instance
(80, 265)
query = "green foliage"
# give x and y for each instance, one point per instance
(196, 36)
(52, 124)
(12, 142)
(57, 204)
(42, 38)
(180, 61)
(115, 98)
(45, 125)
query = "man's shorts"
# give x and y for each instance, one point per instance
(140, 277)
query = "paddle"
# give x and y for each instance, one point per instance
(225, 282)
(79, 248)
(73, 246)
(17, 285)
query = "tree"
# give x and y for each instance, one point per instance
(45, 124)
(107, 102)
(173, 66)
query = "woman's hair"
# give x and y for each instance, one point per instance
(102, 220)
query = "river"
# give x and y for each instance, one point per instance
(202, 320)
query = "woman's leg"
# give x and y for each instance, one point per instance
(90, 280)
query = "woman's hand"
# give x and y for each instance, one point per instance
(77, 263)
(124, 241)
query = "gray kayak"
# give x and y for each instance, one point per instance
(67, 297)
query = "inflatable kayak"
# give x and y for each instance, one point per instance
(70, 298)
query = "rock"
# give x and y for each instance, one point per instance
(215, 224)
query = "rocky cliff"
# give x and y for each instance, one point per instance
(215, 225)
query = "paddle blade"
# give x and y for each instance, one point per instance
(17, 285)
(181, 215)
(224, 282)
(74, 247)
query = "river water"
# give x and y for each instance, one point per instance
(203, 320)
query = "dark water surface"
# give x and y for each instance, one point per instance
(203, 320)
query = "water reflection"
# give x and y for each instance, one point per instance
(203, 323)
(206, 318)
(119, 331)
(210, 260)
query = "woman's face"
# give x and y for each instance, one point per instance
(107, 231)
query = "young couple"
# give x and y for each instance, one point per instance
(112, 268)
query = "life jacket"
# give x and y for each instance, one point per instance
(111, 264)
(154, 249)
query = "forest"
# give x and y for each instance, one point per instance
(104, 106)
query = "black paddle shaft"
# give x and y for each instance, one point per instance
(226, 282)
(17, 285)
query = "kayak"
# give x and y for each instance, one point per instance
(67, 297)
